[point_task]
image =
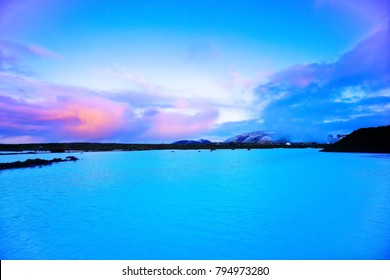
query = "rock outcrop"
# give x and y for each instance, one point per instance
(34, 162)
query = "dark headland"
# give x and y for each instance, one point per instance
(364, 140)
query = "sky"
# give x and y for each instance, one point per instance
(157, 71)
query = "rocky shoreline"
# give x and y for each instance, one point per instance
(34, 162)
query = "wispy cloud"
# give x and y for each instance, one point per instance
(120, 75)
(13, 56)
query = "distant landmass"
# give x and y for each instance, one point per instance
(364, 140)
(255, 137)
(186, 142)
(80, 147)
(367, 140)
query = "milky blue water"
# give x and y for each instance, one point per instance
(258, 204)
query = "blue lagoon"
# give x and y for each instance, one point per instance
(258, 204)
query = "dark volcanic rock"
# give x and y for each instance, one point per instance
(364, 140)
(72, 158)
(33, 162)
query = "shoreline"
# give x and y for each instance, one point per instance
(74, 148)
(13, 154)
(44, 148)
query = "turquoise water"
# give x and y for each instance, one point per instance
(258, 204)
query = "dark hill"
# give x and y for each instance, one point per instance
(364, 140)
(188, 142)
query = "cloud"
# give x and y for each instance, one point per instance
(86, 118)
(176, 125)
(35, 110)
(120, 76)
(31, 109)
(16, 51)
(303, 102)
(12, 56)
(42, 52)
(55, 112)
(307, 101)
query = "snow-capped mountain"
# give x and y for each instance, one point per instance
(251, 137)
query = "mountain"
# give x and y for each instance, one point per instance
(187, 142)
(364, 140)
(258, 137)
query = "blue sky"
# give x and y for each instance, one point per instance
(159, 71)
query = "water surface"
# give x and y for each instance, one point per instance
(258, 204)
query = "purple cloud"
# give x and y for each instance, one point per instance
(308, 101)
(33, 110)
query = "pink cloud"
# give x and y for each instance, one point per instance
(42, 52)
(89, 118)
(168, 125)
(86, 119)
(14, 51)
(34, 109)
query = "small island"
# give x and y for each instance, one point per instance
(34, 162)
(364, 140)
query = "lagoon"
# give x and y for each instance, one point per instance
(225, 204)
